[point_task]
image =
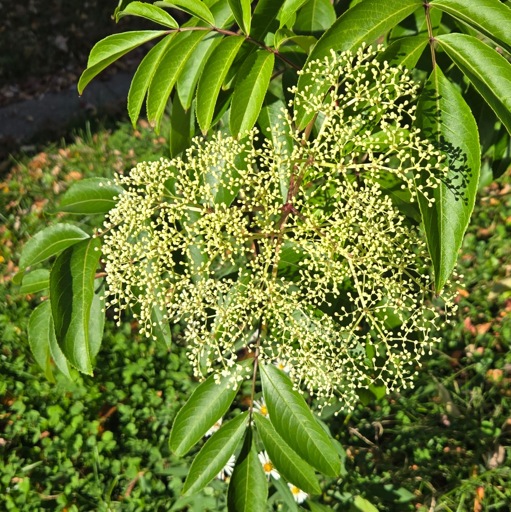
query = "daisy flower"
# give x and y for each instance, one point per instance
(214, 428)
(227, 469)
(268, 467)
(260, 407)
(299, 495)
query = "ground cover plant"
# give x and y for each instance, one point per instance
(302, 250)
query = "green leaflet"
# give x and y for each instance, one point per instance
(96, 324)
(171, 65)
(39, 337)
(189, 77)
(144, 75)
(90, 196)
(445, 118)
(363, 505)
(250, 89)
(490, 17)
(110, 49)
(293, 420)
(405, 51)
(289, 465)
(193, 7)
(181, 127)
(208, 403)
(242, 12)
(264, 17)
(212, 78)
(489, 72)
(49, 242)
(289, 10)
(149, 12)
(362, 23)
(315, 16)
(214, 455)
(248, 488)
(35, 281)
(56, 353)
(71, 293)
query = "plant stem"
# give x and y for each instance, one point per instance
(431, 37)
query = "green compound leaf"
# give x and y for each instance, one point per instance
(189, 77)
(143, 77)
(405, 51)
(242, 12)
(72, 293)
(315, 16)
(149, 12)
(35, 281)
(90, 196)
(362, 23)
(49, 242)
(215, 454)
(293, 420)
(193, 7)
(110, 49)
(489, 72)
(212, 78)
(490, 17)
(168, 72)
(445, 118)
(289, 465)
(248, 488)
(249, 91)
(39, 337)
(208, 403)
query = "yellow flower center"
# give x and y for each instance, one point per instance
(295, 489)
(264, 410)
(268, 467)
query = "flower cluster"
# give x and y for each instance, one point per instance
(295, 248)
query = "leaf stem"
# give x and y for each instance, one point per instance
(431, 36)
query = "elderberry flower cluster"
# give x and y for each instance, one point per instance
(293, 248)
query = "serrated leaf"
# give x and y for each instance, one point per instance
(35, 281)
(212, 78)
(208, 403)
(149, 12)
(242, 12)
(490, 17)
(39, 337)
(287, 462)
(193, 7)
(315, 16)
(189, 77)
(214, 455)
(49, 242)
(293, 420)
(405, 51)
(110, 49)
(71, 293)
(167, 74)
(144, 75)
(248, 487)
(489, 72)
(288, 11)
(362, 23)
(444, 117)
(90, 196)
(249, 91)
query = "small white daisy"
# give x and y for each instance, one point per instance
(227, 469)
(268, 466)
(214, 428)
(260, 407)
(282, 365)
(299, 495)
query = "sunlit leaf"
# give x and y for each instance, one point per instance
(35, 281)
(315, 16)
(193, 7)
(242, 14)
(149, 12)
(39, 337)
